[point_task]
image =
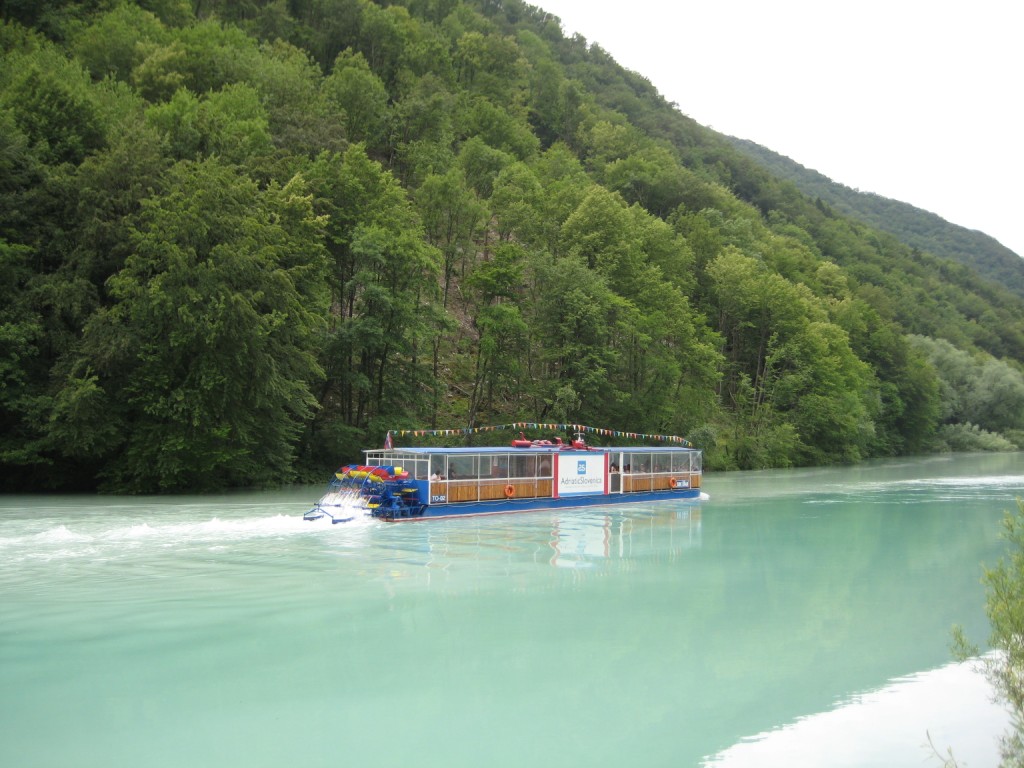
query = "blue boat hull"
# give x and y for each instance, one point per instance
(569, 502)
(338, 514)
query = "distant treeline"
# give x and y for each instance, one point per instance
(241, 241)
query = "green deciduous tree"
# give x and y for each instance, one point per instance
(234, 126)
(575, 319)
(199, 375)
(976, 389)
(382, 323)
(490, 65)
(289, 83)
(996, 397)
(361, 96)
(52, 106)
(23, 400)
(789, 364)
(498, 127)
(115, 43)
(202, 57)
(111, 186)
(501, 350)
(230, 123)
(453, 218)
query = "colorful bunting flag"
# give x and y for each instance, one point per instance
(534, 426)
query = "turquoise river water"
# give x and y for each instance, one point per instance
(797, 618)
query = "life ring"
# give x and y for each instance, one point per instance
(509, 491)
(671, 482)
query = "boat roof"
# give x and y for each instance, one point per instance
(490, 449)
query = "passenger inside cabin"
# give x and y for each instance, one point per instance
(613, 467)
(437, 470)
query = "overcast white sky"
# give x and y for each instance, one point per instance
(919, 101)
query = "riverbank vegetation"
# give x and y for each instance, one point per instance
(241, 241)
(1004, 667)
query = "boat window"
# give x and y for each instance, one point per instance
(680, 462)
(614, 463)
(523, 466)
(439, 467)
(638, 462)
(419, 469)
(463, 467)
(544, 470)
(661, 462)
(495, 466)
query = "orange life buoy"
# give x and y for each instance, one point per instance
(671, 482)
(509, 491)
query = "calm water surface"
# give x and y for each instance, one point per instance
(796, 618)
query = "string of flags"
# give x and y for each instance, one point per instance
(522, 425)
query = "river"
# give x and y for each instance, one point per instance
(798, 617)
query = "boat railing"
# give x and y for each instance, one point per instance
(490, 489)
(636, 482)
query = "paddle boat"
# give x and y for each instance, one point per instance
(420, 483)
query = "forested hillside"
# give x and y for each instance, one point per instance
(918, 229)
(241, 241)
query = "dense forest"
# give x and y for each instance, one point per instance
(240, 241)
(915, 227)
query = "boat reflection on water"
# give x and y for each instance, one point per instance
(580, 540)
(617, 537)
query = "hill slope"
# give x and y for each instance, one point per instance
(241, 241)
(915, 227)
